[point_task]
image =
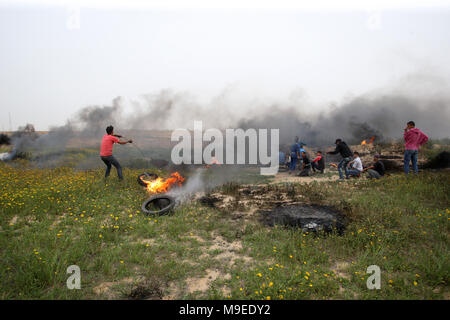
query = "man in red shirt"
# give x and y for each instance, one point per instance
(318, 163)
(106, 151)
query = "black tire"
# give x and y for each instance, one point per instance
(164, 202)
(148, 176)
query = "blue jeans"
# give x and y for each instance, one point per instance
(343, 164)
(411, 155)
(351, 172)
(110, 160)
(293, 163)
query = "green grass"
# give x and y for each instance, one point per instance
(53, 218)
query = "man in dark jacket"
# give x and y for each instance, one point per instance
(343, 149)
(295, 155)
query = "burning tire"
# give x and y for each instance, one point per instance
(159, 204)
(146, 177)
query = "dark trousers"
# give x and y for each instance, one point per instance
(293, 163)
(305, 171)
(110, 160)
(373, 174)
(315, 166)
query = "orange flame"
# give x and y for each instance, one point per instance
(371, 140)
(160, 185)
(214, 161)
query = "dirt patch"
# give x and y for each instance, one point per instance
(339, 269)
(221, 244)
(284, 177)
(229, 251)
(198, 284)
(197, 238)
(138, 288)
(174, 292)
(149, 242)
(202, 284)
(106, 288)
(13, 220)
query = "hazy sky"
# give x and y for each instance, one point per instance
(53, 63)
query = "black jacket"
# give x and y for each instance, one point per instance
(379, 167)
(321, 163)
(343, 149)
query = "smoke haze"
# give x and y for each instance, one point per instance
(382, 113)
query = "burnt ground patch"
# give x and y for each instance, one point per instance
(310, 218)
(148, 290)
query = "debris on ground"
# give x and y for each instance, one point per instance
(310, 218)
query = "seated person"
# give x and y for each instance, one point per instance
(377, 170)
(355, 165)
(306, 165)
(318, 163)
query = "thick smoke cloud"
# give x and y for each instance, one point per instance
(360, 118)
(382, 113)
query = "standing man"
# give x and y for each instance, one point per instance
(343, 149)
(294, 155)
(414, 138)
(106, 151)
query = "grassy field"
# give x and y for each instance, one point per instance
(53, 218)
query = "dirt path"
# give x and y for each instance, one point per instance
(284, 177)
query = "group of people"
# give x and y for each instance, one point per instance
(299, 155)
(351, 164)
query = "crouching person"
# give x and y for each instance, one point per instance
(376, 171)
(355, 165)
(318, 163)
(306, 165)
(343, 149)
